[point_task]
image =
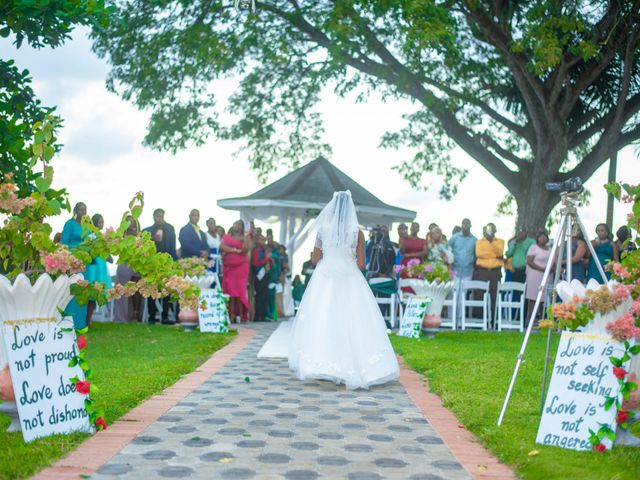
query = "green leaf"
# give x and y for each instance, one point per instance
(615, 361)
(43, 184)
(635, 350)
(73, 362)
(609, 402)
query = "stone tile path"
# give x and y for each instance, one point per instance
(274, 426)
(253, 420)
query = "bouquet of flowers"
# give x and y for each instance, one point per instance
(431, 272)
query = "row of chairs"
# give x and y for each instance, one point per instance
(474, 297)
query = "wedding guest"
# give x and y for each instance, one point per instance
(413, 246)
(455, 230)
(624, 246)
(213, 242)
(261, 261)
(537, 258)
(517, 252)
(298, 291)
(489, 261)
(72, 236)
(463, 247)
(403, 231)
(220, 231)
(97, 270)
(127, 309)
(193, 241)
(438, 248)
(579, 253)
(280, 286)
(164, 236)
(235, 261)
(307, 269)
(274, 276)
(606, 250)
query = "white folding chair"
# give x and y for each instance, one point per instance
(451, 303)
(468, 288)
(505, 306)
(392, 301)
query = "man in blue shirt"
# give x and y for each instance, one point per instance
(463, 246)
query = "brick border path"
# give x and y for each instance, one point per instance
(101, 449)
(97, 450)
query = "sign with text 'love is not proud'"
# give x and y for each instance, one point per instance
(212, 314)
(39, 351)
(582, 378)
(411, 322)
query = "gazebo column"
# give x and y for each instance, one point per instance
(294, 239)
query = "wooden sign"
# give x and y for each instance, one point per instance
(212, 314)
(411, 322)
(581, 380)
(38, 352)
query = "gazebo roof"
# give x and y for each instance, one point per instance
(309, 188)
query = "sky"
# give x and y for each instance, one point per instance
(103, 162)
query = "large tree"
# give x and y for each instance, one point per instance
(38, 23)
(534, 91)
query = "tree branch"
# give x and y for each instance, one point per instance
(506, 154)
(631, 107)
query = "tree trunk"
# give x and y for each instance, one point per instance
(534, 206)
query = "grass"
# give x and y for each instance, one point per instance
(471, 372)
(131, 362)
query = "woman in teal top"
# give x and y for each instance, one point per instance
(606, 251)
(97, 270)
(71, 237)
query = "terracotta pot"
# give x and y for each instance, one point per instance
(6, 387)
(187, 315)
(431, 322)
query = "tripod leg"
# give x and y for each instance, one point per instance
(547, 357)
(557, 246)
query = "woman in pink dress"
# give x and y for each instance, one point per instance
(235, 263)
(537, 258)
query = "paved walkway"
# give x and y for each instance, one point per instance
(252, 419)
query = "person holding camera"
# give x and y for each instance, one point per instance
(380, 253)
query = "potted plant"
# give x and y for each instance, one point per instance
(38, 277)
(432, 280)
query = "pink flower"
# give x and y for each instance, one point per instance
(624, 328)
(621, 292)
(621, 271)
(412, 262)
(635, 308)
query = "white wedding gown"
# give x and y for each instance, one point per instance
(339, 333)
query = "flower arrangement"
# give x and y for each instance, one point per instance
(26, 245)
(431, 272)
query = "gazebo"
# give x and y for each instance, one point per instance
(296, 199)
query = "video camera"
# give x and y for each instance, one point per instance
(572, 185)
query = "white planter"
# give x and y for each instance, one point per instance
(203, 281)
(437, 292)
(21, 301)
(597, 325)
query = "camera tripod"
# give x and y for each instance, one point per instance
(569, 224)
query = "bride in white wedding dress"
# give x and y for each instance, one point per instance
(339, 333)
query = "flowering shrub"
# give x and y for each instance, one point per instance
(194, 266)
(26, 245)
(431, 272)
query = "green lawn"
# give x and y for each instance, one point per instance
(471, 371)
(130, 364)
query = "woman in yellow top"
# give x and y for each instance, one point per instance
(489, 261)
